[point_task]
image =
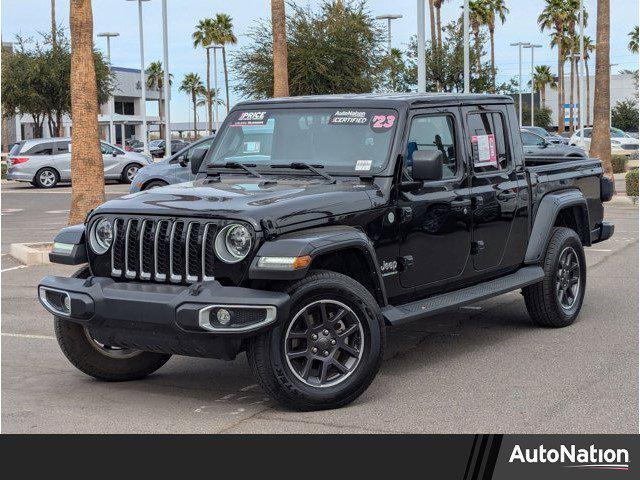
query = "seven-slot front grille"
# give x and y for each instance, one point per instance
(161, 250)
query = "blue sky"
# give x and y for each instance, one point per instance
(30, 16)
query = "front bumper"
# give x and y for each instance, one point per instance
(165, 318)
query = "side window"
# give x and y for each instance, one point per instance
(530, 139)
(62, 147)
(433, 132)
(488, 142)
(41, 149)
(106, 149)
(189, 153)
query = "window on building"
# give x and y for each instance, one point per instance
(124, 108)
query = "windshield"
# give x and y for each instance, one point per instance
(616, 133)
(342, 140)
(539, 130)
(155, 143)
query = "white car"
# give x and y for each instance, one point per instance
(621, 143)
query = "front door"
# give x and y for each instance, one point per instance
(498, 188)
(435, 218)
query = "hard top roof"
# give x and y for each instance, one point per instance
(387, 99)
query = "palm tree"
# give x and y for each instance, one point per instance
(588, 48)
(280, 68)
(202, 37)
(601, 136)
(555, 17)
(633, 40)
(87, 169)
(495, 8)
(437, 5)
(478, 14)
(155, 79)
(214, 94)
(541, 78)
(192, 86)
(223, 35)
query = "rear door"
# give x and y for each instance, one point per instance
(498, 187)
(434, 219)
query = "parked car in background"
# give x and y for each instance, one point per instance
(174, 169)
(537, 146)
(133, 145)
(631, 134)
(44, 162)
(621, 143)
(156, 147)
(548, 136)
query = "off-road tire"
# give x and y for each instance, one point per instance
(540, 298)
(86, 357)
(266, 352)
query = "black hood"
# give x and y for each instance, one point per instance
(288, 201)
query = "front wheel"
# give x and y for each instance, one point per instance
(557, 299)
(329, 350)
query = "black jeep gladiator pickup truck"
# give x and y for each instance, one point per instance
(313, 224)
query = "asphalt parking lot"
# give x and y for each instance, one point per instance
(494, 372)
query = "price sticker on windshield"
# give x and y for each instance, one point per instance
(250, 119)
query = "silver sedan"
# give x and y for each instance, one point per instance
(45, 162)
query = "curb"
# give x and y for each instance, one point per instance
(31, 253)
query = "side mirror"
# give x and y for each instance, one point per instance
(427, 165)
(114, 153)
(196, 159)
(183, 160)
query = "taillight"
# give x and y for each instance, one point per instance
(17, 160)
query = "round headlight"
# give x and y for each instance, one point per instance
(233, 243)
(101, 236)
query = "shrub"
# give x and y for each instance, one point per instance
(625, 116)
(4, 169)
(632, 182)
(619, 163)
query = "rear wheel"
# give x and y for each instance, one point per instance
(557, 299)
(46, 178)
(329, 350)
(155, 184)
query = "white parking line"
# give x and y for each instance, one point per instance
(14, 268)
(599, 250)
(24, 335)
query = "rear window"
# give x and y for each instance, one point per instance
(15, 149)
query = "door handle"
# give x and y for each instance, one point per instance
(507, 195)
(461, 203)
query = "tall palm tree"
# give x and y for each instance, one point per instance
(588, 48)
(555, 16)
(633, 40)
(601, 136)
(478, 15)
(202, 37)
(223, 35)
(437, 5)
(280, 68)
(192, 86)
(572, 47)
(541, 78)
(87, 169)
(496, 9)
(155, 79)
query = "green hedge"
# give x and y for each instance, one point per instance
(619, 163)
(632, 182)
(4, 169)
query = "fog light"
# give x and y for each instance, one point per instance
(67, 304)
(224, 317)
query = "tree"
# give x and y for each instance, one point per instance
(223, 35)
(394, 76)
(280, 67)
(315, 65)
(588, 48)
(633, 40)
(625, 116)
(541, 78)
(202, 37)
(601, 136)
(494, 8)
(192, 86)
(87, 169)
(555, 17)
(437, 5)
(155, 79)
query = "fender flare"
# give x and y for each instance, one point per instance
(69, 246)
(546, 215)
(315, 243)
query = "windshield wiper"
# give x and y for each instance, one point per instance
(305, 166)
(244, 166)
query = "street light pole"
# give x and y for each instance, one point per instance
(166, 82)
(112, 128)
(388, 17)
(465, 27)
(581, 66)
(215, 83)
(143, 85)
(532, 47)
(520, 45)
(422, 68)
